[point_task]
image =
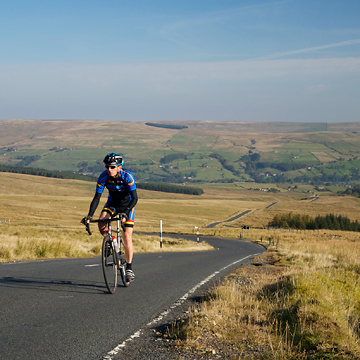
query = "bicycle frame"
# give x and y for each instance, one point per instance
(116, 244)
(118, 241)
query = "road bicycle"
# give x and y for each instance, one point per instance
(112, 254)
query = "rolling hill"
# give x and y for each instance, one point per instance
(190, 151)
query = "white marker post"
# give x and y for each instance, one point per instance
(161, 234)
(197, 233)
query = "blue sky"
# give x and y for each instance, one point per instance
(224, 60)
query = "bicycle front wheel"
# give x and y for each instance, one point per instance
(109, 264)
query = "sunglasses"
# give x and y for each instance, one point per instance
(110, 166)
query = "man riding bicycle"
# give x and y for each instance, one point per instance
(122, 198)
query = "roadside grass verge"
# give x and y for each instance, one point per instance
(34, 243)
(299, 300)
(148, 244)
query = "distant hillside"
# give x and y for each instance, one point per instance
(189, 152)
(46, 173)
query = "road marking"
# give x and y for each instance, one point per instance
(91, 265)
(116, 350)
(137, 334)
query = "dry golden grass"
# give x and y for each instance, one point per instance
(38, 134)
(308, 307)
(349, 206)
(39, 202)
(47, 134)
(36, 242)
(302, 303)
(45, 219)
(33, 243)
(149, 244)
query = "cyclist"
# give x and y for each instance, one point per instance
(122, 198)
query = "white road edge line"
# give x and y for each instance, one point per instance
(137, 334)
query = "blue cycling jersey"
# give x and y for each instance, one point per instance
(119, 187)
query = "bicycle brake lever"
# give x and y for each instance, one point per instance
(88, 228)
(123, 216)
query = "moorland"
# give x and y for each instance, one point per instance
(300, 301)
(196, 152)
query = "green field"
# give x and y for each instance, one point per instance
(208, 151)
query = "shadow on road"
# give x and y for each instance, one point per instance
(53, 285)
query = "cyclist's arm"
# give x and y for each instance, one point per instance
(134, 199)
(99, 190)
(94, 204)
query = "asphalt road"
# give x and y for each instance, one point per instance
(60, 309)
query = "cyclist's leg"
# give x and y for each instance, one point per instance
(129, 226)
(129, 250)
(106, 213)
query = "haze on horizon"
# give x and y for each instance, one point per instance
(234, 60)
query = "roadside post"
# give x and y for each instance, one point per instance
(197, 233)
(161, 241)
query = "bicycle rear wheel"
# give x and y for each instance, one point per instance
(122, 271)
(109, 264)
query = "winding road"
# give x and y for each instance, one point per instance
(60, 309)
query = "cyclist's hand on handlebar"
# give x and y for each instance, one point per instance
(86, 220)
(123, 217)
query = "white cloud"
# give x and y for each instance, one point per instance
(311, 49)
